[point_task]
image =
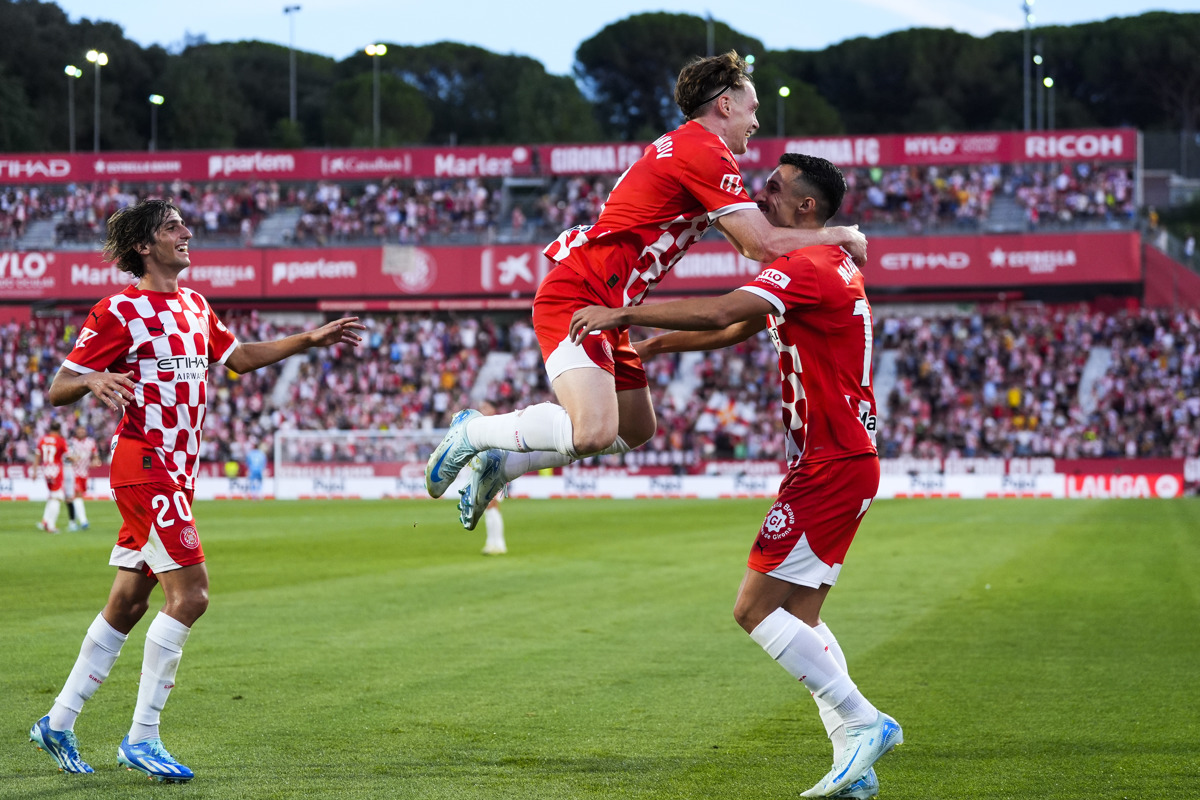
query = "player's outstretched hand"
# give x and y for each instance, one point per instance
(854, 242)
(340, 331)
(593, 318)
(114, 389)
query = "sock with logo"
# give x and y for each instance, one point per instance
(99, 652)
(164, 647)
(545, 426)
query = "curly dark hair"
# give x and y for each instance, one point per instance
(703, 80)
(131, 227)
(821, 178)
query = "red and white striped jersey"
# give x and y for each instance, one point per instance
(79, 455)
(168, 340)
(659, 208)
(822, 330)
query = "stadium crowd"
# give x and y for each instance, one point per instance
(1033, 382)
(412, 211)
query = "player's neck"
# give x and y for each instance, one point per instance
(158, 279)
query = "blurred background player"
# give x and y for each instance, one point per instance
(256, 466)
(814, 304)
(686, 182)
(146, 352)
(493, 522)
(48, 457)
(82, 455)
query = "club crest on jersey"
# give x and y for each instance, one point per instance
(773, 277)
(779, 522)
(84, 336)
(732, 183)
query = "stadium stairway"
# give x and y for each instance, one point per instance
(1006, 216)
(278, 229)
(1099, 360)
(41, 234)
(884, 378)
(492, 371)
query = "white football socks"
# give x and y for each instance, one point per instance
(803, 653)
(164, 647)
(99, 652)
(545, 426)
(50, 513)
(80, 514)
(835, 729)
(493, 524)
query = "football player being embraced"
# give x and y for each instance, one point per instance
(813, 303)
(145, 353)
(686, 182)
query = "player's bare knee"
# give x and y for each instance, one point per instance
(593, 439)
(746, 615)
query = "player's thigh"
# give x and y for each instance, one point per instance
(590, 398)
(636, 411)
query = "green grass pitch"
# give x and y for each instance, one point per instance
(1030, 648)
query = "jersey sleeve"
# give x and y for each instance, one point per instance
(221, 341)
(103, 341)
(788, 283)
(715, 180)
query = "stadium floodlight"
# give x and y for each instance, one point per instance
(72, 72)
(156, 100)
(783, 92)
(376, 51)
(290, 12)
(99, 59)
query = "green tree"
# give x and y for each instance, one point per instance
(629, 69)
(404, 118)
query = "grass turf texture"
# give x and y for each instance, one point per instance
(1030, 648)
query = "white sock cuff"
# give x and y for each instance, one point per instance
(168, 632)
(776, 632)
(616, 448)
(564, 435)
(837, 690)
(106, 636)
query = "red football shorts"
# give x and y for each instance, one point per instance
(53, 473)
(807, 532)
(157, 533)
(80, 485)
(561, 293)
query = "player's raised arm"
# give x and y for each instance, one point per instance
(250, 356)
(757, 239)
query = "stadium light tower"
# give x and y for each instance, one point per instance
(783, 92)
(376, 51)
(1048, 82)
(156, 100)
(1027, 7)
(73, 72)
(99, 59)
(290, 11)
(1040, 88)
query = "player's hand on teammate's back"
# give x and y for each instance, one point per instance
(340, 331)
(593, 318)
(855, 243)
(114, 389)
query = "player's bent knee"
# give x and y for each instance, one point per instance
(590, 442)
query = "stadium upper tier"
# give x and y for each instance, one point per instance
(1038, 382)
(907, 200)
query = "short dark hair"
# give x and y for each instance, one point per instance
(703, 80)
(130, 228)
(822, 178)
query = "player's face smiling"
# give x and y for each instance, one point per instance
(743, 121)
(775, 199)
(170, 246)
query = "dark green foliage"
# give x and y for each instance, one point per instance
(1139, 71)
